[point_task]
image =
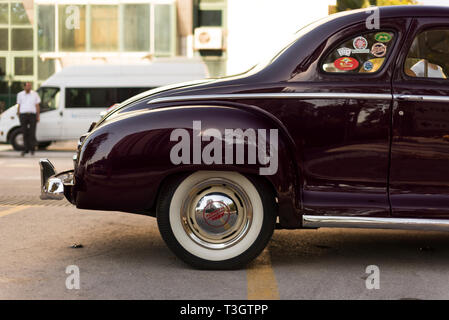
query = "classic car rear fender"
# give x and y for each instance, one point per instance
(123, 163)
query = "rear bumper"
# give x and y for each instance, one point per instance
(54, 186)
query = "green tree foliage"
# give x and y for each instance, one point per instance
(395, 2)
(343, 5)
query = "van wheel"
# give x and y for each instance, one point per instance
(216, 219)
(16, 139)
(43, 145)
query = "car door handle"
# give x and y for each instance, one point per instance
(61, 113)
(407, 97)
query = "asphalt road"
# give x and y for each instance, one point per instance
(123, 256)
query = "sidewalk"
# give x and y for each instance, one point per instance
(61, 149)
(5, 147)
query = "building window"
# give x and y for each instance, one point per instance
(46, 28)
(126, 27)
(18, 14)
(163, 44)
(3, 39)
(4, 17)
(18, 86)
(22, 39)
(210, 18)
(136, 27)
(2, 66)
(3, 90)
(104, 28)
(72, 31)
(23, 66)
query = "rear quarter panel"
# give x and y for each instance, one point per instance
(123, 163)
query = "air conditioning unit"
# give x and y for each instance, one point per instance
(208, 38)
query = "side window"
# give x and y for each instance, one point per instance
(91, 97)
(363, 53)
(49, 98)
(126, 93)
(428, 56)
(99, 97)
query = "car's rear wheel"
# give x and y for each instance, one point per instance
(216, 220)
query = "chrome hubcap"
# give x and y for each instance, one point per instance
(216, 214)
(19, 140)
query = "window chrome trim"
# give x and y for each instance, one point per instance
(375, 223)
(315, 95)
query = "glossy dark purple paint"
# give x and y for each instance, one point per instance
(332, 161)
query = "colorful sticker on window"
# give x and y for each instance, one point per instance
(368, 66)
(379, 50)
(360, 43)
(383, 37)
(346, 64)
(360, 51)
(344, 52)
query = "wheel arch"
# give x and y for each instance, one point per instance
(143, 138)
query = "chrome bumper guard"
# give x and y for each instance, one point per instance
(54, 185)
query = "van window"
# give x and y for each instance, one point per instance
(49, 98)
(99, 97)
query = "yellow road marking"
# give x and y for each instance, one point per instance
(12, 210)
(262, 283)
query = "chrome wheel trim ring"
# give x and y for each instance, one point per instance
(216, 214)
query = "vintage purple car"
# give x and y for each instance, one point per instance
(348, 126)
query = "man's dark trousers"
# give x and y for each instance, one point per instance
(28, 123)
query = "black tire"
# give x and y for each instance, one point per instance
(239, 254)
(14, 139)
(43, 145)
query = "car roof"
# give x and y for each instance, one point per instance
(400, 11)
(415, 11)
(352, 16)
(155, 74)
(309, 38)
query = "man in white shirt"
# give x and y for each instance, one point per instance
(28, 111)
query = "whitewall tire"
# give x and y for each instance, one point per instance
(216, 219)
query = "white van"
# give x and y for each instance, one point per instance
(74, 97)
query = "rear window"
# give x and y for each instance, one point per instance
(99, 97)
(360, 54)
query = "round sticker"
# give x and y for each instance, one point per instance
(346, 63)
(379, 50)
(383, 37)
(360, 43)
(368, 66)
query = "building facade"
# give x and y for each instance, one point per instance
(39, 37)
